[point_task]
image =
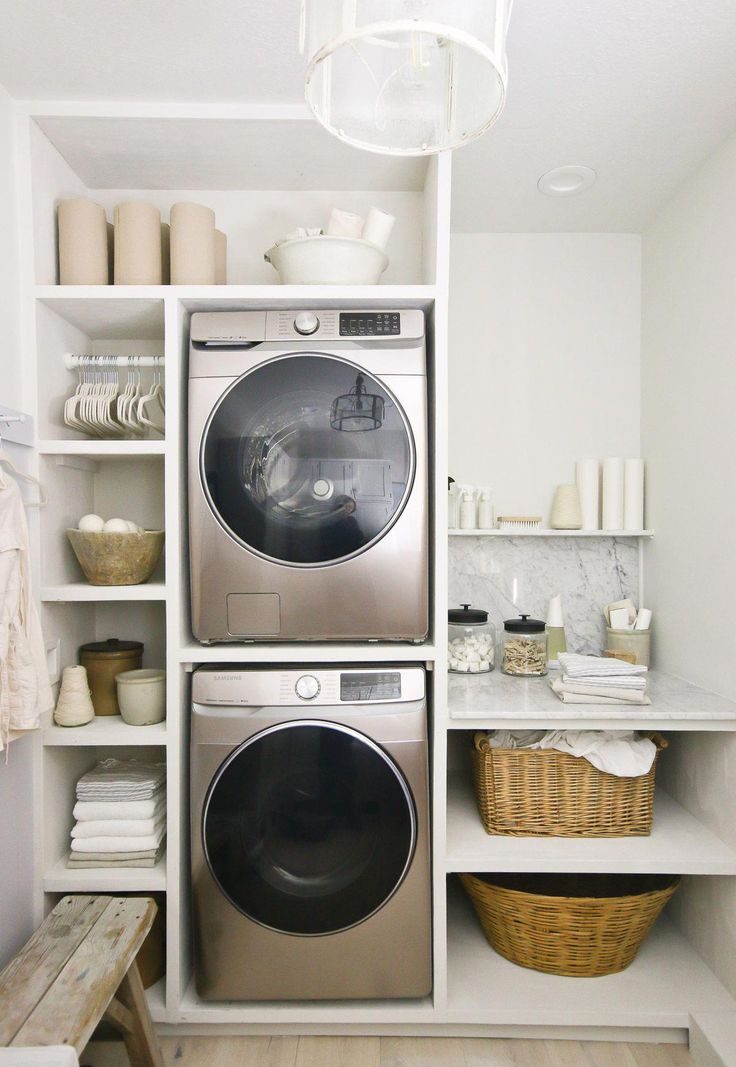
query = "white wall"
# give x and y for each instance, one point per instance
(16, 783)
(544, 346)
(689, 440)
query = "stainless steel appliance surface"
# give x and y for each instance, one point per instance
(310, 833)
(308, 476)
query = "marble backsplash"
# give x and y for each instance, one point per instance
(509, 575)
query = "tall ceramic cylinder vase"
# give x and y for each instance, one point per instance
(83, 258)
(192, 244)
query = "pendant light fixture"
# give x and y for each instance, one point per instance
(405, 77)
(357, 410)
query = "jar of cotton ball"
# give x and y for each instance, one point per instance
(472, 640)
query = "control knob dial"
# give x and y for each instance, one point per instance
(307, 687)
(306, 322)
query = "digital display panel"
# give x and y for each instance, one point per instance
(377, 685)
(370, 323)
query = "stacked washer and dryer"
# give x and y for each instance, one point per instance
(308, 489)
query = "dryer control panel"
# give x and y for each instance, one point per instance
(241, 329)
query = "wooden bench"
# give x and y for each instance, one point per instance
(78, 968)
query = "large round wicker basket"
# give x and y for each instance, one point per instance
(582, 926)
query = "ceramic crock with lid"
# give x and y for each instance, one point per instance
(524, 647)
(472, 640)
(104, 661)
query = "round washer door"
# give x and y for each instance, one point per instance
(309, 827)
(307, 459)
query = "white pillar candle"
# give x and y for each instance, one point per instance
(588, 479)
(378, 227)
(613, 494)
(634, 494)
(344, 224)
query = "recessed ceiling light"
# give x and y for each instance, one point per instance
(566, 181)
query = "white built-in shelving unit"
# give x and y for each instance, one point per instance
(264, 171)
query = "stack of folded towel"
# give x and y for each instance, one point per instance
(121, 815)
(590, 680)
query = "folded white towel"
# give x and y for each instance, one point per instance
(118, 844)
(576, 665)
(621, 681)
(114, 779)
(588, 695)
(89, 810)
(615, 692)
(118, 827)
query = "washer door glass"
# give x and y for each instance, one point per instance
(309, 828)
(307, 459)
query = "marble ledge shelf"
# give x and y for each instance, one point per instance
(543, 532)
(494, 700)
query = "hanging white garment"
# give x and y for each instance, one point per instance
(25, 692)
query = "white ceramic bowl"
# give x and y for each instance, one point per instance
(327, 261)
(142, 696)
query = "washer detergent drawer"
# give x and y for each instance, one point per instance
(253, 614)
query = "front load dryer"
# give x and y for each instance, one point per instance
(308, 476)
(310, 833)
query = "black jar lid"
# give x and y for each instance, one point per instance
(467, 616)
(112, 647)
(524, 625)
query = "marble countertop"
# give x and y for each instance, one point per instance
(496, 698)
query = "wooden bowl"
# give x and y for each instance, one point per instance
(117, 558)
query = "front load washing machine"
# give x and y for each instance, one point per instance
(308, 476)
(310, 833)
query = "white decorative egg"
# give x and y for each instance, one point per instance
(133, 527)
(116, 526)
(91, 524)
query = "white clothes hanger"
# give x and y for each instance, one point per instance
(7, 462)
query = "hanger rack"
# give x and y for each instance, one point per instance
(71, 361)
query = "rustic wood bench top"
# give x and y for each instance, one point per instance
(80, 966)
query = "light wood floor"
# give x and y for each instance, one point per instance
(412, 1052)
(391, 1052)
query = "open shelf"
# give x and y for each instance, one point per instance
(291, 652)
(551, 533)
(61, 879)
(156, 997)
(495, 701)
(93, 308)
(84, 592)
(105, 730)
(665, 984)
(678, 844)
(103, 449)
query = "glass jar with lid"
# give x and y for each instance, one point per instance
(524, 652)
(472, 640)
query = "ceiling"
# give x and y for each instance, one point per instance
(640, 90)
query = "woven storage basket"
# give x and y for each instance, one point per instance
(544, 793)
(582, 926)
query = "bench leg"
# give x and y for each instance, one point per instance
(140, 1038)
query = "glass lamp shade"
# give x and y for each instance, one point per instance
(357, 410)
(406, 77)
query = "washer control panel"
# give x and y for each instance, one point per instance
(314, 685)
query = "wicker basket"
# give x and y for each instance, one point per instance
(545, 793)
(582, 926)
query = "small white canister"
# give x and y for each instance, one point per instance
(142, 696)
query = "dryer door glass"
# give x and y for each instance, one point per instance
(309, 828)
(307, 460)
